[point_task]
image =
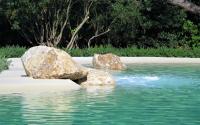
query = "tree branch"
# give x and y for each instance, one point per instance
(187, 5)
(65, 22)
(74, 34)
(70, 45)
(95, 36)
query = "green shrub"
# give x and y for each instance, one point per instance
(193, 34)
(3, 64)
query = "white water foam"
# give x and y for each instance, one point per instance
(151, 78)
(136, 80)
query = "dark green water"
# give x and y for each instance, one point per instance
(144, 95)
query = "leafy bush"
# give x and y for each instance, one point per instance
(3, 64)
(192, 33)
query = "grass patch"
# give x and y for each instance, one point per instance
(135, 52)
(12, 51)
(16, 51)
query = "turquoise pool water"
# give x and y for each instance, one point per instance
(144, 95)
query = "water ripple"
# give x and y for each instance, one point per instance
(145, 95)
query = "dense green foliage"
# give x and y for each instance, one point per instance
(13, 52)
(139, 23)
(3, 64)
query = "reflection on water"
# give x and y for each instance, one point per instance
(99, 89)
(46, 108)
(11, 110)
(145, 95)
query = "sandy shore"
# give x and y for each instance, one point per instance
(14, 80)
(28, 85)
(144, 60)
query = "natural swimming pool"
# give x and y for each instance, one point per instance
(167, 94)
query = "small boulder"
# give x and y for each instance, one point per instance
(42, 62)
(97, 78)
(108, 61)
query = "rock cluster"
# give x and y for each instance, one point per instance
(42, 62)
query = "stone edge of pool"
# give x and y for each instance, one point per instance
(14, 80)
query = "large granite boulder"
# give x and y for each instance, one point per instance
(97, 78)
(108, 61)
(42, 62)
